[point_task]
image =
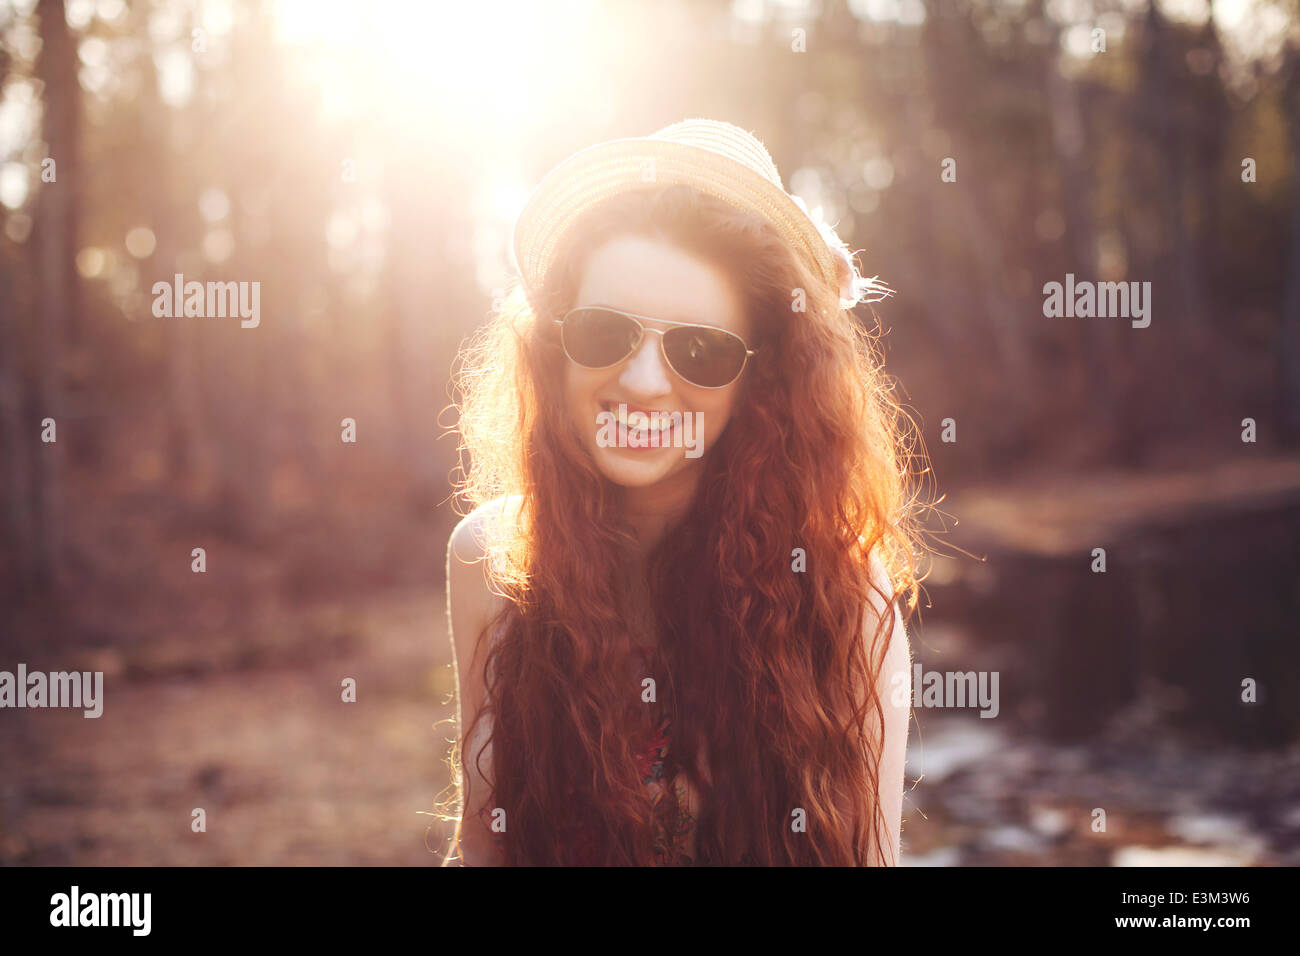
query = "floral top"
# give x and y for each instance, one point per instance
(674, 823)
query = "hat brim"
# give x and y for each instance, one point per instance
(598, 172)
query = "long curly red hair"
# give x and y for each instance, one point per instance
(765, 667)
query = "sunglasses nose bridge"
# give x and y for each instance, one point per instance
(663, 347)
(647, 368)
(640, 340)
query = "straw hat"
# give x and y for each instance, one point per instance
(715, 157)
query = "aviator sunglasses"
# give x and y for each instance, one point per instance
(597, 337)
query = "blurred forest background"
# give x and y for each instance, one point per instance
(364, 163)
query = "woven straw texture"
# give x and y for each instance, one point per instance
(717, 158)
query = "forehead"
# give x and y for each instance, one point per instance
(655, 278)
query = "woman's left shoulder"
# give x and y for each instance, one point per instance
(882, 588)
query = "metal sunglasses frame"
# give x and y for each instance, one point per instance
(660, 332)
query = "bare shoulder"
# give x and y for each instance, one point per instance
(895, 693)
(472, 604)
(469, 595)
(469, 538)
(895, 674)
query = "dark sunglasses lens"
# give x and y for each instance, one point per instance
(704, 356)
(597, 338)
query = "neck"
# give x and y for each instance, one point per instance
(650, 511)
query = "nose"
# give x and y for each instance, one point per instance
(645, 373)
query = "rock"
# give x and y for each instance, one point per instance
(1179, 856)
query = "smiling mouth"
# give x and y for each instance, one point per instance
(641, 422)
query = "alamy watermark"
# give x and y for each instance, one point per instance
(1084, 300)
(623, 429)
(78, 689)
(213, 300)
(949, 689)
(75, 908)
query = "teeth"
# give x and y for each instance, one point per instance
(640, 421)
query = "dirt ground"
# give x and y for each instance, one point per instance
(289, 774)
(286, 772)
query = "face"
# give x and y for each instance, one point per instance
(651, 277)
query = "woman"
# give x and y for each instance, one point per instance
(674, 608)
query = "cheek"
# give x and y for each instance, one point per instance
(580, 387)
(719, 412)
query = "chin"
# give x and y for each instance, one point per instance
(641, 468)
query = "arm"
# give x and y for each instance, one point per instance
(470, 608)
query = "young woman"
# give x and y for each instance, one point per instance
(675, 606)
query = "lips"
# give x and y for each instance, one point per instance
(638, 419)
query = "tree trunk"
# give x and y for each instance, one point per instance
(17, 437)
(1290, 350)
(55, 237)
